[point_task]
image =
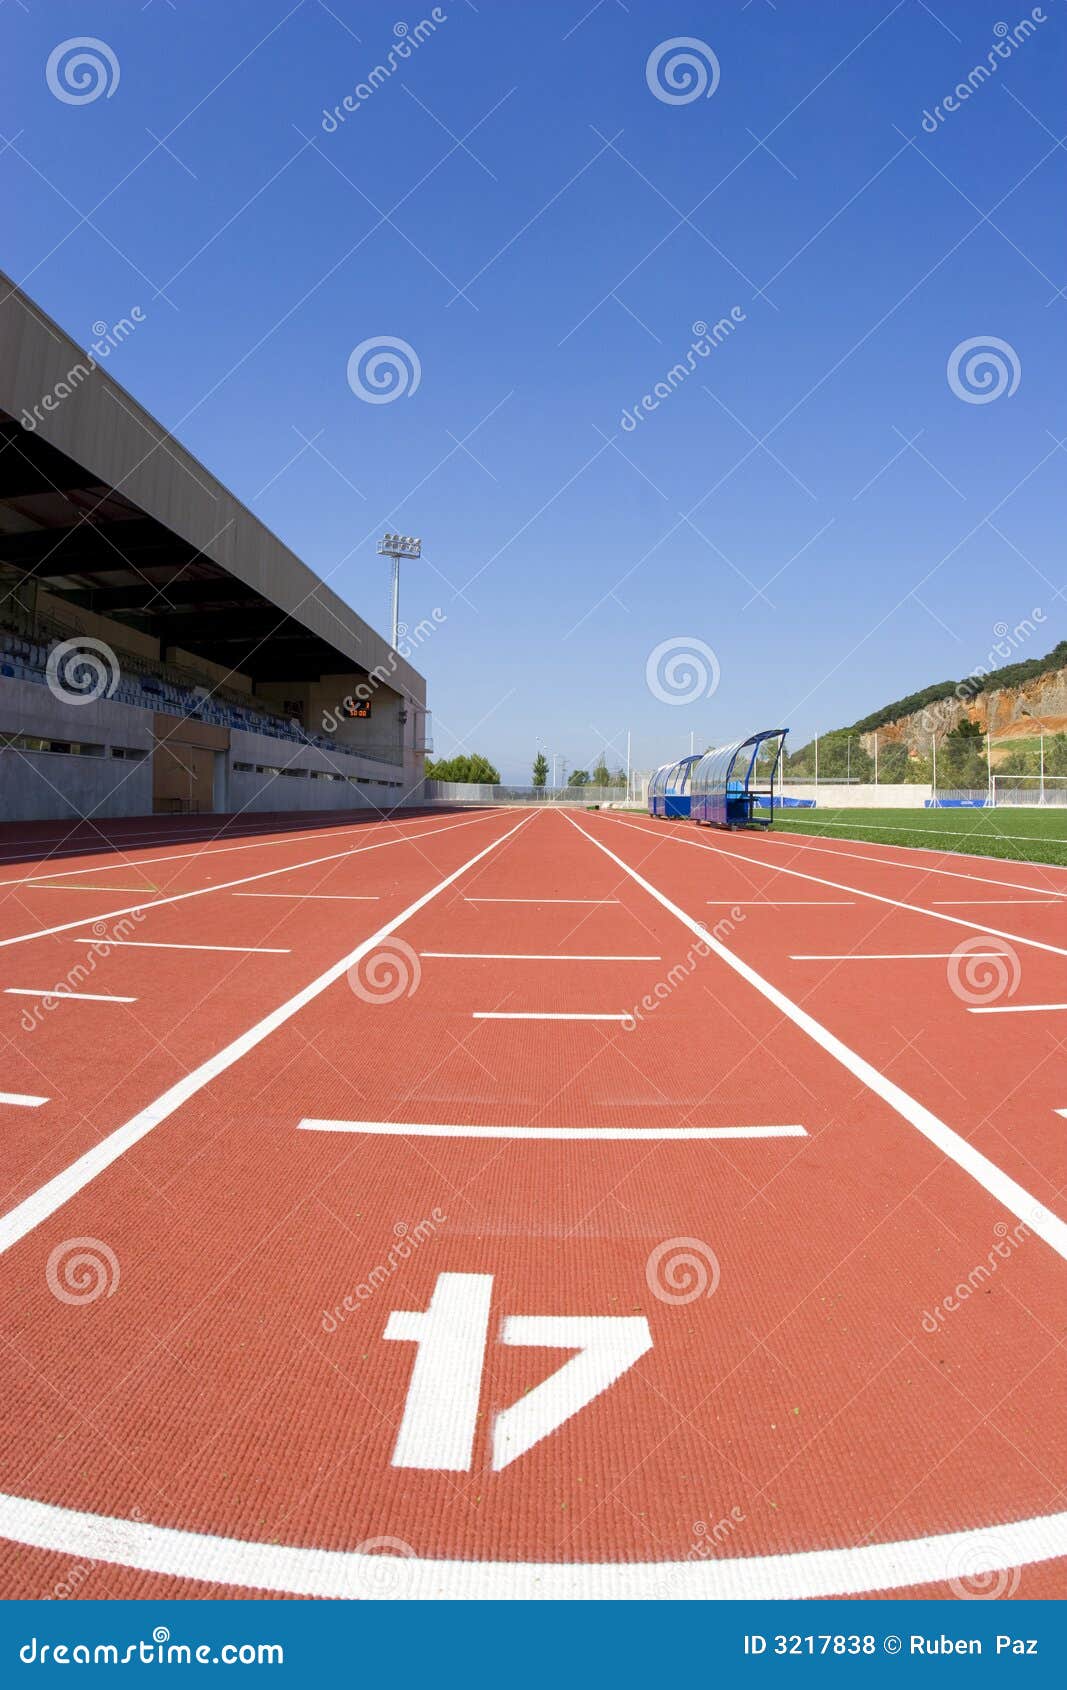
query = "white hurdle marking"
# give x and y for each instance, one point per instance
(53, 993)
(540, 900)
(318, 897)
(1013, 1008)
(408, 1129)
(21, 1100)
(532, 956)
(536, 1015)
(887, 956)
(159, 945)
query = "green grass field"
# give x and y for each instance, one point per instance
(1023, 835)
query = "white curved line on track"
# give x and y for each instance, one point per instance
(339, 1573)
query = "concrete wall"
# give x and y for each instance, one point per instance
(54, 786)
(365, 783)
(830, 797)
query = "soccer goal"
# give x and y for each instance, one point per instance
(1030, 789)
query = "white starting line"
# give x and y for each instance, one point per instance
(23, 1100)
(408, 1129)
(160, 945)
(889, 956)
(320, 897)
(1014, 1008)
(540, 900)
(532, 956)
(539, 1015)
(54, 993)
(779, 903)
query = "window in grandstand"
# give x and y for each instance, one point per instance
(127, 752)
(245, 768)
(265, 769)
(295, 774)
(64, 747)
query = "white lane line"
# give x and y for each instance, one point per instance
(228, 885)
(1053, 899)
(49, 1197)
(1015, 1198)
(534, 956)
(335, 1573)
(1014, 1008)
(540, 900)
(52, 993)
(859, 891)
(275, 836)
(318, 897)
(160, 945)
(887, 956)
(1062, 1112)
(21, 1100)
(781, 903)
(408, 1129)
(532, 1015)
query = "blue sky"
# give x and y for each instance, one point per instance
(517, 204)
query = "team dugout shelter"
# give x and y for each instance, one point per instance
(724, 787)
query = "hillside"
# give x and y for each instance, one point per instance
(1012, 704)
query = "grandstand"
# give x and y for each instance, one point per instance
(155, 635)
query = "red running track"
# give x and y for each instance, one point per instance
(531, 1204)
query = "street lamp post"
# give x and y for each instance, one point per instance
(396, 546)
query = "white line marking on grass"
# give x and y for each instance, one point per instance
(318, 897)
(888, 956)
(1015, 1198)
(532, 1015)
(161, 945)
(335, 1573)
(228, 885)
(21, 1100)
(808, 842)
(409, 1129)
(52, 993)
(56, 1192)
(1014, 1008)
(801, 874)
(540, 900)
(533, 956)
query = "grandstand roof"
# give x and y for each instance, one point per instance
(104, 507)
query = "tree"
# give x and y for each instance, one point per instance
(961, 757)
(540, 769)
(464, 768)
(580, 777)
(601, 774)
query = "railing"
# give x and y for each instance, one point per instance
(467, 792)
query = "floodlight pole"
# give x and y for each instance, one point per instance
(396, 546)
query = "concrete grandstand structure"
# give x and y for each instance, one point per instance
(208, 668)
